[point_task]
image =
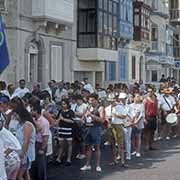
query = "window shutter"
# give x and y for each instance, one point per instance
(56, 63)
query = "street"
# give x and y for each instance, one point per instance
(161, 164)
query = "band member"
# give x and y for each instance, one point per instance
(119, 115)
(94, 118)
(151, 112)
(167, 103)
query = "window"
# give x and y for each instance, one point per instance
(100, 2)
(136, 20)
(91, 21)
(86, 4)
(122, 67)
(100, 22)
(110, 71)
(97, 26)
(154, 76)
(2, 5)
(154, 34)
(57, 62)
(133, 67)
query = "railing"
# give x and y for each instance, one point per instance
(174, 14)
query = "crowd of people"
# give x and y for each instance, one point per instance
(37, 125)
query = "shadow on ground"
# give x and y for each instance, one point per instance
(149, 160)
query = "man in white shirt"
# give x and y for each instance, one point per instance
(167, 103)
(119, 115)
(60, 93)
(21, 90)
(88, 86)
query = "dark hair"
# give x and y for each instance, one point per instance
(18, 101)
(78, 96)
(2, 85)
(34, 101)
(67, 102)
(24, 115)
(37, 108)
(22, 80)
(93, 95)
(44, 94)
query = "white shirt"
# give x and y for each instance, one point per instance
(164, 105)
(89, 88)
(80, 109)
(21, 92)
(119, 109)
(59, 94)
(108, 111)
(137, 110)
(7, 140)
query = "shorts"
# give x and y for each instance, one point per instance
(117, 134)
(151, 123)
(93, 136)
(136, 131)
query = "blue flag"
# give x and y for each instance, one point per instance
(4, 57)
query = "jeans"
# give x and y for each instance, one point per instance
(127, 138)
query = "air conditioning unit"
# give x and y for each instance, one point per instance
(2, 5)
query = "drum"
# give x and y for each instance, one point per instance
(172, 119)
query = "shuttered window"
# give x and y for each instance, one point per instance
(110, 71)
(56, 62)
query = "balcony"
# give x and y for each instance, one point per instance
(97, 54)
(57, 11)
(174, 15)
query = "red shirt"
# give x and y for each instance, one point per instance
(151, 107)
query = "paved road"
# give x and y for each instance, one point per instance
(163, 164)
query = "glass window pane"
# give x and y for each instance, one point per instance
(82, 21)
(100, 22)
(105, 23)
(91, 21)
(110, 24)
(114, 8)
(105, 5)
(100, 4)
(110, 6)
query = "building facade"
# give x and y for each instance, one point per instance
(159, 55)
(106, 41)
(174, 9)
(40, 40)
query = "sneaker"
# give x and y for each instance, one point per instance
(93, 149)
(78, 156)
(128, 158)
(118, 157)
(68, 163)
(138, 155)
(133, 153)
(85, 168)
(106, 143)
(58, 161)
(98, 169)
(160, 138)
(82, 156)
(167, 138)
